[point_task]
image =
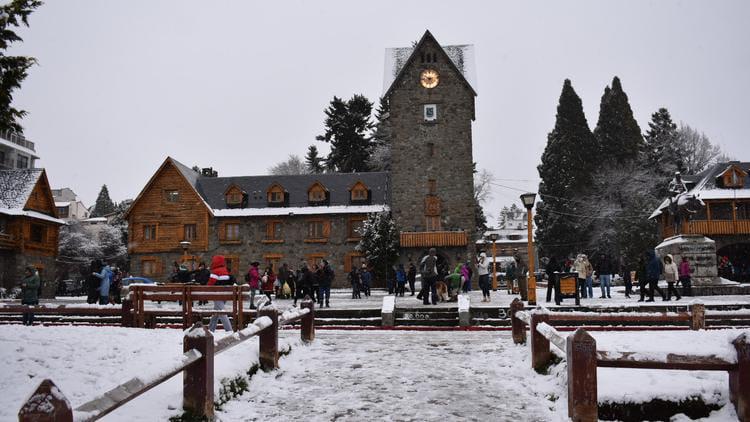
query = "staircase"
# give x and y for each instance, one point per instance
(427, 316)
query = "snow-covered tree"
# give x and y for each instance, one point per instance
(293, 165)
(104, 204)
(346, 128)
(313, 161)
(380, 158)
(662, 151)
(482, 193)
(697, 150)
(379, 242)
(617, 131)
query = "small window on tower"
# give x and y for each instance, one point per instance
(432, 186)
(430, 112)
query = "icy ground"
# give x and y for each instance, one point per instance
(351, 375)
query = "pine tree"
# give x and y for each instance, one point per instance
(617, 132)
(380, 159)
(347, 124)
(662, 150)
(566, 169)
(104, 204)
(379, 242)
(313, 161)
(13, 69)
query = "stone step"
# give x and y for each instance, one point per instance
(441, 322)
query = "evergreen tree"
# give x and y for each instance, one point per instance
(104, 204)
(662, 150)
(13, 69)
(347, 124)
(313, 161)
(617, 132)
(565, 172)
(380, 159)
(379, 242)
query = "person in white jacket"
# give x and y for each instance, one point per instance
(484, 276)
(671, 274)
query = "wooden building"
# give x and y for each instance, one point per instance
(29, 227)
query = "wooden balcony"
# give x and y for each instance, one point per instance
(433, 239)
(7, 241)
(710, 227)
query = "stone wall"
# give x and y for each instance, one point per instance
(12, 266)
(701, 253)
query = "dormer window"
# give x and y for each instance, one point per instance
(235, 197)
(359, 194)
(276, 195)
(317, 194)
(733, 177)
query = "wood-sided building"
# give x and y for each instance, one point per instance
(29, 227)
(724, 188)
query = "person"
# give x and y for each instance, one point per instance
(316, 274)
(304, 284)
(484, 276)
(653, 271)
(604, 269)
(106, 279)
(282, 278)
(366, 277)
(551, 269)
(390, 283)
(466, 277)
(670, 274)
(428, 267)
(453, 281)
(510, 276)
(291, 281)
(354, 281)
(93, 282)
(411, 276)
(30, 293)
(326, 279)
(580, 268)
(116, 285)
(219, 277)
(627, 277)
(684, 273)
(267, 282)
(400, 280)
(253, 280)
(201, 276)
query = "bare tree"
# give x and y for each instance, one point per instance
(293, 165)
(482, 189)
(697, 149)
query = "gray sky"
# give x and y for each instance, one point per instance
(240, 85)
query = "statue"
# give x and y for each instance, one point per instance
(681, 205)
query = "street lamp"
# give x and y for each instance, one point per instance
(528, 202)
(493, 238)
(184, 245)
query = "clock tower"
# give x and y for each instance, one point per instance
(431, 93)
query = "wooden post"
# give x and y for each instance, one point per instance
(269, 340)
(185, 311)
(739, 379)
(198, 379)
(140, 307)
(308, 322)
(127, 313)
(46, 404)
(697, 316)
(540, 354)
(582, 393)
(519, 328)
(240, 312)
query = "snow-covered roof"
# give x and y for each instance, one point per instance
(95, 220)
(63, 204)
(16, 187)
(276, 211)
(30, 213)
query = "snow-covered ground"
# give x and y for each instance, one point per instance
(350, 375)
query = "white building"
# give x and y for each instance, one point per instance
(16, 152)
(69, 206)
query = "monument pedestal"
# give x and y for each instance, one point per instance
(701, 253)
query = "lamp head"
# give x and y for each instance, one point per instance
(528, 200)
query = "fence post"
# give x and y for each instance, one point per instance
(519, 328)
(308, 322)
(697, 316)
(739, 379)
(127, 313)
(269, 340)
(198, 379)
(540, 354)
(46, 404)
(582, 391)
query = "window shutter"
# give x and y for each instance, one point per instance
(326, 229)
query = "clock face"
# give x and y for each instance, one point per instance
(429, 78)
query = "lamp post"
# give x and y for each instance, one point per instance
(493, 238)
(184, 245)
(528, 200)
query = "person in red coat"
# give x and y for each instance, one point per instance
(219, 276)
(267, 282)
(253, 280)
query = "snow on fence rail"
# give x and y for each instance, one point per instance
(583, 358)
(48, 403)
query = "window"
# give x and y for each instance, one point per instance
(149, 232)
(430, 112)
(275, 195)
(189, 232)
(359, 193)
(743, 210)
(172, 195)
(431, 186)
(721, 211)
(63, 212)
(315, 229)
(233, 264)
(22, 161)
(273, 230)
(234, 198)
(355, 227)
(232, 231)
(38, 233)
(272, 260)
(432, 222)
(315, 258)
(317, 193)
(149, 267)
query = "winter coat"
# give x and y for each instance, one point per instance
(268, 280)
(30, 289)
(366, 278)
(466, 272)
(453, 280)
(326, 276)
(670, 270)
(354, 277)
(684, 270)
(412, 274)
(581, 267)
(483, 264)
(510, 271)
(653, 266)
(253, 277)
(219, 274)
(201, 276)
(106, 279)
(604, 265)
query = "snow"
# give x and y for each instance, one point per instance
(724, 194)
(389, 304)
(273, 211)
(31, 214)
(464, 302)
(674, 240)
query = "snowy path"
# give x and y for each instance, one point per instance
(400, 376)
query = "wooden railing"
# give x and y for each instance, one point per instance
(583, 358)
(709, 227)
(7, 241)
(48, 403)
(433, 239)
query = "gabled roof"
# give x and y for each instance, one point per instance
(16, 187)
(460, 58)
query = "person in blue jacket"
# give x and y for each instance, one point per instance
(653, 272)
(106, 279)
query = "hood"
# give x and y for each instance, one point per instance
(483, 255)
(671, 258)
(218, 261)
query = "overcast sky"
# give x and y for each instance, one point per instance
(240, 85)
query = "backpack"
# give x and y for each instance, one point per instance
(427, 267)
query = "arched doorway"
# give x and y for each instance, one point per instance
(733, 262)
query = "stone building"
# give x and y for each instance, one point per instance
(276, 219)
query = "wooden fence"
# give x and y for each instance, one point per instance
(48, 404)
(583, 358)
